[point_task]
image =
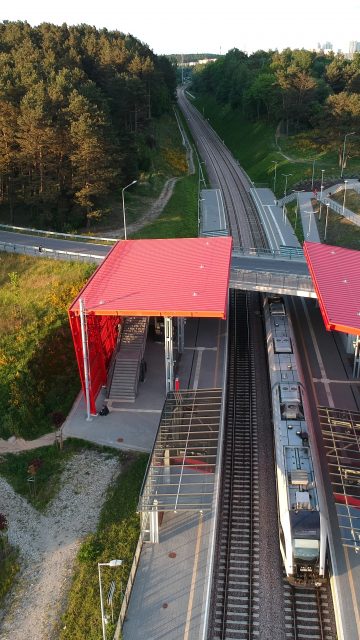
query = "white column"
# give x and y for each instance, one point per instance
(356, 369)
(169, 354)
(85, 350)
(154, 524)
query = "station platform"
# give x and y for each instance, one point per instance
(169, 595)
(329, 374)
(134, 426)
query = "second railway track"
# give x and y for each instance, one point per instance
(236, 588)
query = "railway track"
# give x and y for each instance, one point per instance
(236, 612)
(308, 613)
(225, 173)
(236, 586)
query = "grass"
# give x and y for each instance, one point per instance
(254, 145)
(340, 231)
(9, 567)
(352, 199)
(179, 217)
(295, 220)
(38, 373)
(116, 537)
(14, 467)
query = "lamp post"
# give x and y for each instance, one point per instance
(321, 190)
(312, 177)
(286, 176)
(112, 563)
(276, 164)
(326, 221)
(310, 217)
(297, 205)
(343, 153)
(343, 209)
(123, 204)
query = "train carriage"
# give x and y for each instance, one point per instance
(302, 526)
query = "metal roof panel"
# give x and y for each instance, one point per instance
(336, 275)
(168, 277)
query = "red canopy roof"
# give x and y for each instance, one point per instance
(336, 275)
(180, 277)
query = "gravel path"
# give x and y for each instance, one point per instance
(48, 544)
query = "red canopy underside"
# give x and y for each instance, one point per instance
(335, 272)
(178, 277)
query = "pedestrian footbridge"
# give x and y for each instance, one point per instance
(283, 271)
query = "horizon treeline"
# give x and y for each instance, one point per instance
(302, 89)
(76, 105)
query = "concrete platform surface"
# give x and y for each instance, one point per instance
(134, 427)
(167, 601)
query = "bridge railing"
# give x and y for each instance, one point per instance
(285, 252)
(54, 254)
(56, 234)
(283, 283)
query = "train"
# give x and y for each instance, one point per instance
(303, 531)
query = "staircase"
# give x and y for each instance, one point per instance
(125, 373)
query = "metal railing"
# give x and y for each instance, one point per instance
(54, 254)
(283, 283)
(129, 586)
(55, 234)
(283, 253)
(338, 208)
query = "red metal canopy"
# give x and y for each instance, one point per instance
(335, 272)
(180, 277)
(183, 277)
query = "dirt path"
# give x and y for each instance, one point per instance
(19, 444)
(48, 544)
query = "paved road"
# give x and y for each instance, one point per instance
(74, 246)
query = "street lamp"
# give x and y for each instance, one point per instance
(297, 205)
(312, 177)
(343, 153)
(123, 204)
(286, 176)
(310, 217)
(326, 221)
(321, 190)
(276, 164)
(112, 563)
(343, 209)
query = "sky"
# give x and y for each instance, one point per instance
(211, 26)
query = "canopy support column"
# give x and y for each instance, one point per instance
(356, 369)
(169, 354)
(181, 334)
(154, 524)
(85, 351)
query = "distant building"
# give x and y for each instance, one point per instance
(354, 47)
(193, 63)
(326, 47)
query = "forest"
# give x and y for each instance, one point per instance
(303, 90)
(76, 108)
